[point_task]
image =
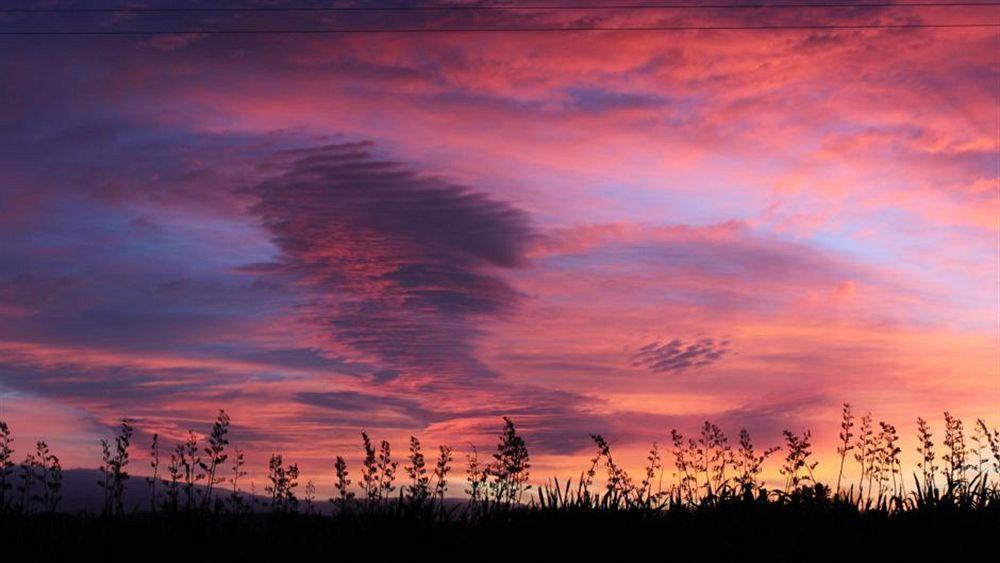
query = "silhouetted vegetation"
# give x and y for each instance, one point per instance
(714, 494)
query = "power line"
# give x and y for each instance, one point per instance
(503, 29)
(504, 7)
(330, 31)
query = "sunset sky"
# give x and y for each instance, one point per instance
(418, 233)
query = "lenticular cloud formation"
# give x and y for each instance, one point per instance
(399, 264)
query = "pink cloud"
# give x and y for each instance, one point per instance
(534, 208)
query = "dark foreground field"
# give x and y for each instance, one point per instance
(729, 531)
(712, 505)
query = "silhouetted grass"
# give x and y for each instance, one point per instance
(713, 501)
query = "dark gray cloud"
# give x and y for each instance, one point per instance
(401, 264)
(305, 358)
(358, 401)
(676, 356)
(122, 386)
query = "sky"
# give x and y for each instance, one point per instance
(594, 232)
